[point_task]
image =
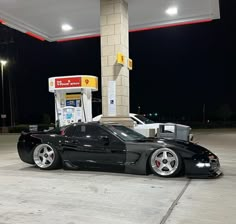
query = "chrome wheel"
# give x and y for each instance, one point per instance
(165, 162)
(44, 156)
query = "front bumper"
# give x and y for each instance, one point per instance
(215, 170)
(200, 169)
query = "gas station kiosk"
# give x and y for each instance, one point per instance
(73, 98)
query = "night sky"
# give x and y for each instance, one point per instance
(177, 69)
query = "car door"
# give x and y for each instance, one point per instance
(94, 147)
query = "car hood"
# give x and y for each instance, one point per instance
(188, 147)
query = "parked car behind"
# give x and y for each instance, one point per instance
(143, 123)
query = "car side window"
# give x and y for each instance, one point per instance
(68, 131)
(89, 131)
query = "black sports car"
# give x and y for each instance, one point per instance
(113, 147)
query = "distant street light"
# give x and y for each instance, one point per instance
(139, 110)
(3, 115)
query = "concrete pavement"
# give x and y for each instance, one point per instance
(29, 195)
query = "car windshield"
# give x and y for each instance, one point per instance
(125, 133)
(144, 119)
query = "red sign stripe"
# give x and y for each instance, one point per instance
(79, 38)
(35, 36)
(172, 25)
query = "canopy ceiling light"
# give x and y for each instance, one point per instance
(66, 27)
(172, 11)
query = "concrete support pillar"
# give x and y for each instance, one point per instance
(115, 77)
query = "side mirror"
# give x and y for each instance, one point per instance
(105, 139)
(135, 123)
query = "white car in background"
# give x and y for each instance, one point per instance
(143, 124)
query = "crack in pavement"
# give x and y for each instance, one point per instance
(167, 215)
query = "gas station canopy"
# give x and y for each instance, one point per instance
(60, 20)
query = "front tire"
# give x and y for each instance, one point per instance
(46, 157)
(165, 162)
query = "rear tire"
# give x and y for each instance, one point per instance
(165, 162)
(46, 157)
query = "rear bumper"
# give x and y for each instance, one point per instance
(25, 152)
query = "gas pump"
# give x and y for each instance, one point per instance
(73, 98)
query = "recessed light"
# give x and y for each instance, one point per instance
(66, 27)
(172, 11)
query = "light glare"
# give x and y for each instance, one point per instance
(66, 27)
(3, 62)
(201, 165)
(172, 11)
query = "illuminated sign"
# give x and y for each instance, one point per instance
(120, 59)
(73, 96)
(88, 81)
(130, 64)
(72, 103)
(68, 82)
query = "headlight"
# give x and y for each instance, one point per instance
(202, 165)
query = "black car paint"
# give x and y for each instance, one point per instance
(109, 152)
